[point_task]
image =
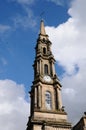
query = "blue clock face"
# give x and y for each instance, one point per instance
(47, 78)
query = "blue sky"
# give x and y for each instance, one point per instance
(19, 39)
(65, 23)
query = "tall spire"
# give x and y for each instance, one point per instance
(42, 28)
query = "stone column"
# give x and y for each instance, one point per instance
(59, 100)
(35, 97)
(37, 68)
(41, 67)
(39, 96)
(53, 69)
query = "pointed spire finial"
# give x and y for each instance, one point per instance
(42, 28)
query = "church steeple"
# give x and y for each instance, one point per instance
(44, 61)
(47, 112)
(42, 28)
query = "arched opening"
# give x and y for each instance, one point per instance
(48, 102)
(45, 69)
(44, 50)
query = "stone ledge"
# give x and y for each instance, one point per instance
(51, 111)
(59, 124)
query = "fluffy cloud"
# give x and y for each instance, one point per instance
(74, 95)
(14, 109)
(69, 49)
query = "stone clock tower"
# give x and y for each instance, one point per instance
(46, 112)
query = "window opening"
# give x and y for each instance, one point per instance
(46, 69)
(48, 102)
(44, 50)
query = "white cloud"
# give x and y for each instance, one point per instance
(13, 107)
(69, 49)
(74, 95)
(77, 12)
